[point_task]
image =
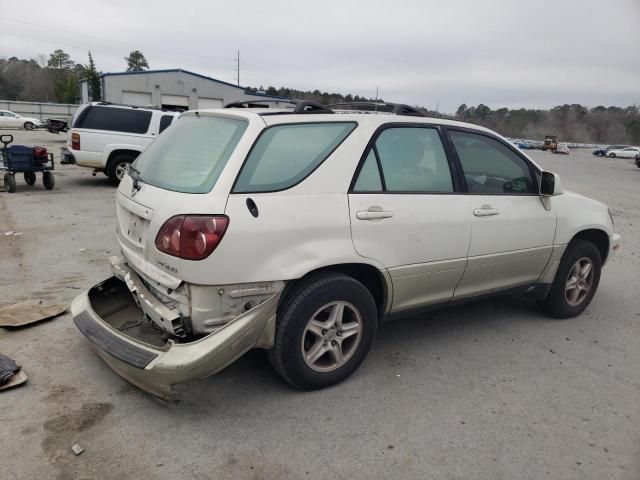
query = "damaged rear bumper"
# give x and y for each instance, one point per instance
(107, 315)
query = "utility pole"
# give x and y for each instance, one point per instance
(237, 69)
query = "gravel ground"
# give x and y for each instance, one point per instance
(488, 390)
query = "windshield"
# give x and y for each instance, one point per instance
(190, 155)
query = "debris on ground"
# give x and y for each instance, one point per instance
(12, 233)
(11, 374)
(77, 449)
(25, 313)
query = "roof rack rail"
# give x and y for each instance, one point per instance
(150, 107)
(307, 106)
(251, 103)
(300, 106)
(382, 107)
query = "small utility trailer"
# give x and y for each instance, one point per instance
(26, 160)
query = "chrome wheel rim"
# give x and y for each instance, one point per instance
(579, 281)
(331, 336)
(121, 170)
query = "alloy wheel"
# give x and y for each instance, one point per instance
(579, 281)
(331, 336)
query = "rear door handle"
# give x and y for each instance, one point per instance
(486, 211)
(373, 214)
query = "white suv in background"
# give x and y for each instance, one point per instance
(299, 231)
(108, 137)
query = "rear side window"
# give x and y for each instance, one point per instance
(127, 120)
(191, 155)
(369, 178)
(491, 167)
(285, 155)
(165, 121)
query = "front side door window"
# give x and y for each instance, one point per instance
(491, 167)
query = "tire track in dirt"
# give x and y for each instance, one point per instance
(13, 271)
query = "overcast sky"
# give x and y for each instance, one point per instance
(513, 53)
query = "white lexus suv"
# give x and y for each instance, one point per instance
(299, 231)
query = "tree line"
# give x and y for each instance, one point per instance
(571, 123)
(55, 78)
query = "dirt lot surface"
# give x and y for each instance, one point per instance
(488, 390)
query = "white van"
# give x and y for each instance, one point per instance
(109, 137)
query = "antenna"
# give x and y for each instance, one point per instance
(237, 69)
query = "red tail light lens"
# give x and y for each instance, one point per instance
(192, 237)
(75, 141)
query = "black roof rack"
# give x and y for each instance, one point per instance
(255, 103)
(300, 106)
(384, 107)
(307, 106)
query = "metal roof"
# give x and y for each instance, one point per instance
(180, 70)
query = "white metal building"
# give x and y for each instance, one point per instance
(174, 88)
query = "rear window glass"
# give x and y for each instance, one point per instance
(285, 154)
(114, 119)
(190, 156)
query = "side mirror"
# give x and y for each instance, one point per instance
(550, 184)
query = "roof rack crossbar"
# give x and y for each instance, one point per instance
(300, 106)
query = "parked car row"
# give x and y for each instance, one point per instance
(621, 151)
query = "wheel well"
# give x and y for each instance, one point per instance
(366, 274)
(598, 237)
(116, 153)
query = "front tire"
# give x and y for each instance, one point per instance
(29, 125)
(576, 280)
(326, 325)
(612, 155)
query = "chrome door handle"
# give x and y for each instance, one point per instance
(373, 214)
(485, 211)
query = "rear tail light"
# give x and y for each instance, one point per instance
(75, 141)
(192, 237)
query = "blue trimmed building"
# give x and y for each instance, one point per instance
(173, 88)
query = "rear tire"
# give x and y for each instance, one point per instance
(9, 182)
(30, 178)
(326, 325)
(573, 287)
(118, 167)
(48, 180)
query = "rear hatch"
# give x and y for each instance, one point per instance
(188, 170)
